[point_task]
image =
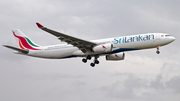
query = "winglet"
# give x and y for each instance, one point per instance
(39, 25)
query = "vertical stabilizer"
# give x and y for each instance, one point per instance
(23, 41)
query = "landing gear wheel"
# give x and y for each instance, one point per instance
(84, 60)
(157, 52)
(88, 57)
(96, 62)
(92, 64)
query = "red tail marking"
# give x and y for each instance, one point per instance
(20, 44)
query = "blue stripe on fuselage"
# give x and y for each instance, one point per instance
(120, 50)
(114, 51)
(123, 49)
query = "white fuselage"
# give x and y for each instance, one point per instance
(120, 44)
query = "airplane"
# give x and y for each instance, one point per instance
(112, 48)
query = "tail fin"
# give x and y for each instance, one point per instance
(24, 42)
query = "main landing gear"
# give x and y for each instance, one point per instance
(158, 50)
(88, 57)
(95, 61)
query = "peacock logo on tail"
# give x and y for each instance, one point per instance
(26, 43)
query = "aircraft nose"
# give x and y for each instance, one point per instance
(173, 38)
(170, 39)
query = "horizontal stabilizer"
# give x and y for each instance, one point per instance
(17, 49)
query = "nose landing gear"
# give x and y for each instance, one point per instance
(158, 52)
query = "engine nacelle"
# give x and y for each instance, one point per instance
(103, 48)
(116, 56)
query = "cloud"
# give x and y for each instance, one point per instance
(157, 83)
(173, 84)
(125, 89)
(131, 87)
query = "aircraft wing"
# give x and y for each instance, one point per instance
(83, 45)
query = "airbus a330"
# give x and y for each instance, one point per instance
(111, 48)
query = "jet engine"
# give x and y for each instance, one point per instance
(116, 56)
(103, 48)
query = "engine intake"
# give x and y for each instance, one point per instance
(116, 56)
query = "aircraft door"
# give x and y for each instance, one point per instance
(157, 36)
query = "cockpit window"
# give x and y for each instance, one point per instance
(167, 35)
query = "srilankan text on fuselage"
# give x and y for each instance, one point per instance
(135, 38)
